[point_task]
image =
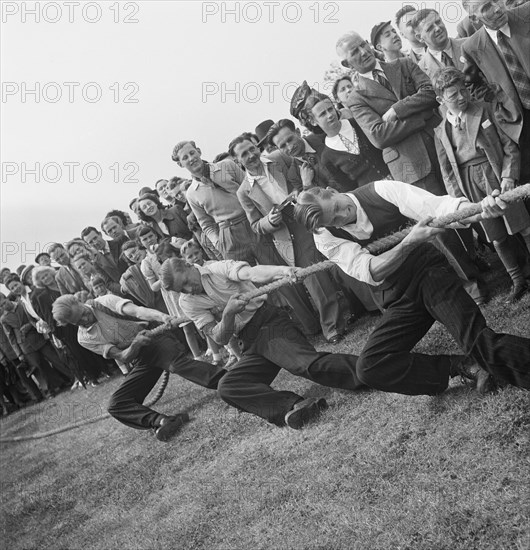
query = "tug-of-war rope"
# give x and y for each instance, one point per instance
(375, 248)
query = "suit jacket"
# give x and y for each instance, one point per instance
(22, 341)
(481, 50)
(501, 151)
(430, 65)
(414, 101)
(69, 281)
(257, 204)
(175, 220)
(414, 56)
(111, 263)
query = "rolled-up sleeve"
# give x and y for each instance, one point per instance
(227, 268)
(348, 255)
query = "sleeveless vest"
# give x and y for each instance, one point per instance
(386, 218)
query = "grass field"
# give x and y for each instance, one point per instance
(377, 471)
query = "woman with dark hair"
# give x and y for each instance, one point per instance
(166, 222)
(348, 154)
(133, 282)
(340, 91)
(87, 366)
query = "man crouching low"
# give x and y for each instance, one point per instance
(268, 339)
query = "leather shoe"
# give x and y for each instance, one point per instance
(517, 293)
(336, 339)
(304, 411)
(170, 425)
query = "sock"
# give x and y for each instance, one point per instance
(508, 257)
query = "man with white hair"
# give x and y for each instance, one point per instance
(116, 328)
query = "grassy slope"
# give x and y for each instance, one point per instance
(377, 471)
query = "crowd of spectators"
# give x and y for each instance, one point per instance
(448, 115)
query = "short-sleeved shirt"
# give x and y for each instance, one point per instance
(108, 332)
(220, 281)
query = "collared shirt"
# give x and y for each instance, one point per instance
(505, 29)
(267, 183)
(220, 281)
(438, 54)
(456, 119)
(346, 130)
(412, 202)
(370, 74)
(109, 332)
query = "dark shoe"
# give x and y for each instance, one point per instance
(336, 339)
(517, 293)
(468, 369)
(304, 411)
(170, 425)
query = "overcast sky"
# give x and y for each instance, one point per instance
(116, 85)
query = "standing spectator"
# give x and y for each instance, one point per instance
(32, 347)
(348, 154)
(267, 186)
(443, 51)
(340, 91)
(68, 279)
(385, 39)
(476, 158)
(84, 265)
(404, 18)
(107, 253)
(500, 50)
(166, 222)
(129, 227)
(134, 284)
(43, 259)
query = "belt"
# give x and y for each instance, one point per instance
(474, 162)
(232, 221)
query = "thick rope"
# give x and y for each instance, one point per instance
(165, 379)
(386, 243)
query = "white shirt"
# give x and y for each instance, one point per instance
(412, 202)
(453, 119)
(346, 129)
(438, 54)
(505, 29)
(370, 74)
(268, 184)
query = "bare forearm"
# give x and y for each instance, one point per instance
(387, 263)
(223, 331)
(262, 274)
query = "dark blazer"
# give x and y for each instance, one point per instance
(481, 50)
(69, 281)
(403, 141)
(21, 333)
(112, 264)
(175, 221)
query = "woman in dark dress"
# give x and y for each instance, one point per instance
(348, 154)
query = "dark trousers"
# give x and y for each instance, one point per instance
(386, 362)
(270, 342)
(49, 353)
(165, 353)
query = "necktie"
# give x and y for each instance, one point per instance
(351, 146)
(446, 60)
(382, 79)
(458, 122)
(517, 72)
